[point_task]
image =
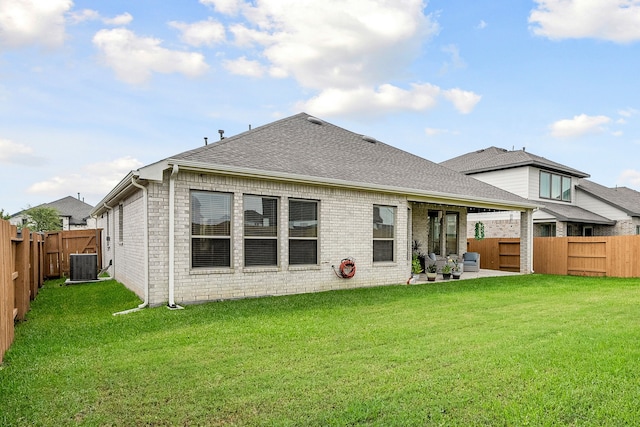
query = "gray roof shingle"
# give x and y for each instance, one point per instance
(573, 213)
(313, 148)
(626, 199)
(77, 210)
(494, 158)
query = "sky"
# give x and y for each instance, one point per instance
(90, 90)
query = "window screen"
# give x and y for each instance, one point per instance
(260, 231)
(384, 219)
(303, 232)
(210, 229)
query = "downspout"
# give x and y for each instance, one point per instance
(113, 254)
(172, 229)
(145, 239)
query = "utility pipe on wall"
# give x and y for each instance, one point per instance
(172, 229)
(113, 254)
(145, 239)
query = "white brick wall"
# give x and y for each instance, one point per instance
(345, 231)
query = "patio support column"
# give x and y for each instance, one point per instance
(526, 241)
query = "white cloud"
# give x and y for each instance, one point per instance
(134, 58)
(386, 98)
(463, 100)
(12, 153)
(83, 15)
(92, 15)
(33, 22)
(244, 67)
(123, 19)
(335, 43)
(200, 33)
(456, 61)
(346, 51)
(578, 126)
(482, 25)
(629, 177)
(92, 180)
(229, 7)
(613, 20)
(628, 112)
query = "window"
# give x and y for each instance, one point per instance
(210, 229)
(547, 230)
(434, 232)
(555, 187)
(452, 233)
(637, 229)
(120, 223)
(384, 219)
(260, 231)
(303, 232)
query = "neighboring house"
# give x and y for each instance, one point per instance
(275, 210)
(74, 214)
(572, 205)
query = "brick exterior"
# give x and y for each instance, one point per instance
(345, 230)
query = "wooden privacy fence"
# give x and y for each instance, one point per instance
(21, 275)
(497, 254)
(59, 245)
(613, 256)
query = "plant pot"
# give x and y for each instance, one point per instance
(446, 276)
(456, 275)
(431, 277)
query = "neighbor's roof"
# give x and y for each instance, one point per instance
(623, 198)
(572, 213)
(305, 146)
(76, 210)
(494, 158)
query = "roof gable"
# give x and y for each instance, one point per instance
(494, 158)
(76, 210)
(623, 198)
(305, 146)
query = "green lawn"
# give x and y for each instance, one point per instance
(519, 350)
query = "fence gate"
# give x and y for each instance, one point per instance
(60, 244)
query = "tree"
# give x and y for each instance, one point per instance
(43, 219)
(4, 215)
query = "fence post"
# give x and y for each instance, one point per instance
(21, 274)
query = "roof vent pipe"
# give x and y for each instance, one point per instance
(221, 132)
(205, 141)
(369, 139)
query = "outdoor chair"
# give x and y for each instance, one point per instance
(471, 261)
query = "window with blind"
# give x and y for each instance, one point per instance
(260, 231)
(210, 229)
(384, 219)
(303, 232)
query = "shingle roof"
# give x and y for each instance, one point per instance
(309, 147)
(77, 210)
(572, 213)
(494, 158)
(624, 198)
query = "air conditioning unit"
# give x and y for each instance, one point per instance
(83, 267)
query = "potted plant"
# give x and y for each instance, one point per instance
(456, 271)
(446, 271)
(416, 267)
(432, 272)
